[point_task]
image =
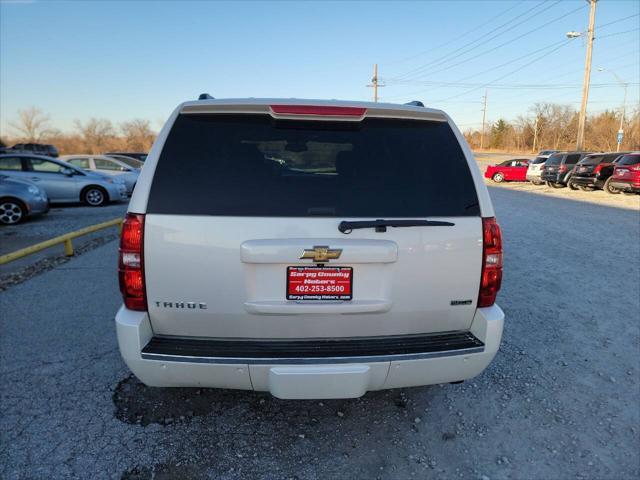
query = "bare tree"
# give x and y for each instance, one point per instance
(97, 134)
(138, 135)
(32, 125)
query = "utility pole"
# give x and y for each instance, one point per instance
(375, 83)
(587, 76)
(620, 130)
(535, 135)
(484, 118)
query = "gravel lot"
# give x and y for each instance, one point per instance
(561, 400)
(58, 221)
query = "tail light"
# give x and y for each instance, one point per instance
(597, 169)
(318, 110)
(491, 278)
(131, 263)
(636, 168)
(562, 168)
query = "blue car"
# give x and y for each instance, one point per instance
(64, 183)
(20, 199)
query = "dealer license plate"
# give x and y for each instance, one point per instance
(319, 283)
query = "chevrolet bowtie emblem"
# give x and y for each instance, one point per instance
(321, 254)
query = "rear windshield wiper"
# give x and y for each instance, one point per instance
(381, 225)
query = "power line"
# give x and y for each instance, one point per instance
(491, 83)
(416, 82)
(507, 74)
(458, 37)
(618, 33)
(616, 21)
(439, 60)
(524, 86)
(555, 44)
(534, 30)
(609, 64)
(548, 46)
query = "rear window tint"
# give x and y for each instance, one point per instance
(629, 160)
(555, 159)
(592, 160)
(252, 165)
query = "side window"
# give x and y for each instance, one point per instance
(572, 159)
(10, 163)
(80, 162)
(103, 164)
(44, 166)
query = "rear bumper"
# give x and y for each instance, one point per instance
(299, 377)
(534, 177)
(587, 181)
(552, 177)
(625, 186)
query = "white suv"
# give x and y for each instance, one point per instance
(312, 249)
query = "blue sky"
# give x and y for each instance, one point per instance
(122, 60)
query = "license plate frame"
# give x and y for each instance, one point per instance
(343, 286)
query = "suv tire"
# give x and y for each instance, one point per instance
(573, 186)
(12, 211)
(94, 196)
(498, 178)
(555, 185)
(609, 189)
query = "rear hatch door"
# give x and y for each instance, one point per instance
(242, 235)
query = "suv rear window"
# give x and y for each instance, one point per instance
(592, 160)
(253, 165)
(555, 159)
(629, 160)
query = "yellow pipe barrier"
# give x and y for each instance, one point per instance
(65, 239)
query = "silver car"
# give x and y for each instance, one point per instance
(20, 199)
(63, 183)
(127, 171)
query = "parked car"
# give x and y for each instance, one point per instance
(137, 155)
(107, 166)
(534, 170)
(20, 199)
(594, 171)
(132, 162)
(63, 183)
(514, 170)
(626, 174)
(546, 153)
(251, 276)
(558, 168)
(47, 150)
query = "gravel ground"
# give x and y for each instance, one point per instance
(58, 221)
(560, 401)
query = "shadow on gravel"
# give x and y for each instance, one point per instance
(138, 404)
(244, 434)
